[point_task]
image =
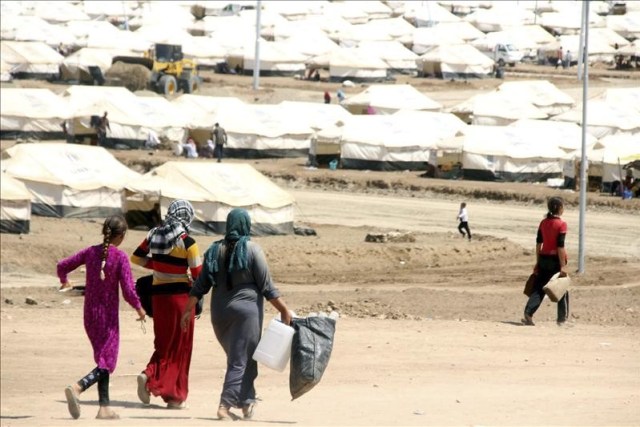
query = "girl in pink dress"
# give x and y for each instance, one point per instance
(106, 268)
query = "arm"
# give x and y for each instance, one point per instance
(128, 288)
(562, 253)
(201, 286)
(285, 314)
(187, 314)
(69, 264)
(194, 259)
(141, 255)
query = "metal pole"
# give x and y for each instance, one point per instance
(583, 159)
(585, 19)
(126, 18)
(256, 61)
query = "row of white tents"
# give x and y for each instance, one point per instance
(70, 180)
(385, 127)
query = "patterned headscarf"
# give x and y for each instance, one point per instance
(163, 239)
(238, 232)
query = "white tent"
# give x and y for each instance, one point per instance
(216, 188)
(57, 12)
(391, 142)
(455, 62)
(609, 155)
(567, 20)
(446, 33)
(205, 111)
(509, 153)
(77, 65)
(387, 99)
(628, 97)
(604, 118)
(567, 136)
(15, 205)
(399, 58)
(501, 16)
(316, 115)
(31, 59)
(527, 38)
(34, 113)
(496, 109)
(541, 93)
(263, 131)
(352, 64)
(397, 29)
(627, 25)
(70, 180)
(34, 29)
(276, 59)
(427, 14)
(130, 117)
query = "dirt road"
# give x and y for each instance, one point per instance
(606, 234)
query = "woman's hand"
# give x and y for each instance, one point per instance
(142, 315)
(185, 319)
(285, 317)
(64, 286)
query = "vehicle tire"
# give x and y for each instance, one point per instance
(168, 85)
(512, 64)
(501, 62)
(189, 85)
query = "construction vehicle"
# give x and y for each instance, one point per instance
(170, 71)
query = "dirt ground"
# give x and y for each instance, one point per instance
(429, 332)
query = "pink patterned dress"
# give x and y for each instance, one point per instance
(101, 299)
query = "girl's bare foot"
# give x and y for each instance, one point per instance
(105, 413)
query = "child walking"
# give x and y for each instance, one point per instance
(106, 267)
(463, 217)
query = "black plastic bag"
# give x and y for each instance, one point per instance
(310, 352)
(144, 289)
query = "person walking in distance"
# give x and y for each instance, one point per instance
(106, 268)
(463, 218)
(219, 136)
(551, 258)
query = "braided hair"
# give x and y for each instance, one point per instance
(113, 227)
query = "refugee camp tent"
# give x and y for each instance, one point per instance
(496, 109)
(508, 153)
(627, 25)
(566, 135)
(388, 142)
(392, 29)
(33, 29)
(83, 64)
(543, 94)
(502, 16)
(628, 97)
(352, 64)
(316, 115)
(204, 112)
(447, 33)
(461, 61)
(69, 180)
(607, 158)
(276, 59)
(32, 113)
(526, 38)
(235, 185)
(387, 99)
(426, 14)
(604, 118)
(264, 131)
(15, 205)
(31, 59)
(399, 58)
(130, 117)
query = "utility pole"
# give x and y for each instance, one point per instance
(256, 61)
(584, 54)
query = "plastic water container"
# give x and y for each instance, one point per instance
(274, 348)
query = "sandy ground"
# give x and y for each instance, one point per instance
(429, 333)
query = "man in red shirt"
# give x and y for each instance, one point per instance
(551, 258)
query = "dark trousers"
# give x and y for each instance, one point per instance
(101, 376)
(217, 150)
(547, 267)
(464, 225)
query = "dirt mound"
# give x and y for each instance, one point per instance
(132, 76)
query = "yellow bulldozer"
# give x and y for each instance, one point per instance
(170, 71)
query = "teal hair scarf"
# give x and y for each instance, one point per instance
(238, 232)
